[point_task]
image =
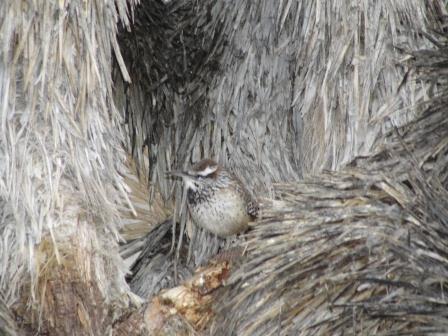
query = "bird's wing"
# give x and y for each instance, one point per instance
(252, 209)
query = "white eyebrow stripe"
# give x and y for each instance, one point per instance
(207, 171)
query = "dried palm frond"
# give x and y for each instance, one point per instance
(61, 157)
(271, 90)
(8, 325)
(360, 251)
(148, 210)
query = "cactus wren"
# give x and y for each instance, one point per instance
(217, 200)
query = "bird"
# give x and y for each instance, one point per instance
(217, 199)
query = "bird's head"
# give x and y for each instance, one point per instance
(203, 173)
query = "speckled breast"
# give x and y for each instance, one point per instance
(222, 211)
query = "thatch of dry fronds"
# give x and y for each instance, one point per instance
(272, 90)
(8, 324)
(148, 210)
(360, 251)
(61, 160)
(239, 83)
